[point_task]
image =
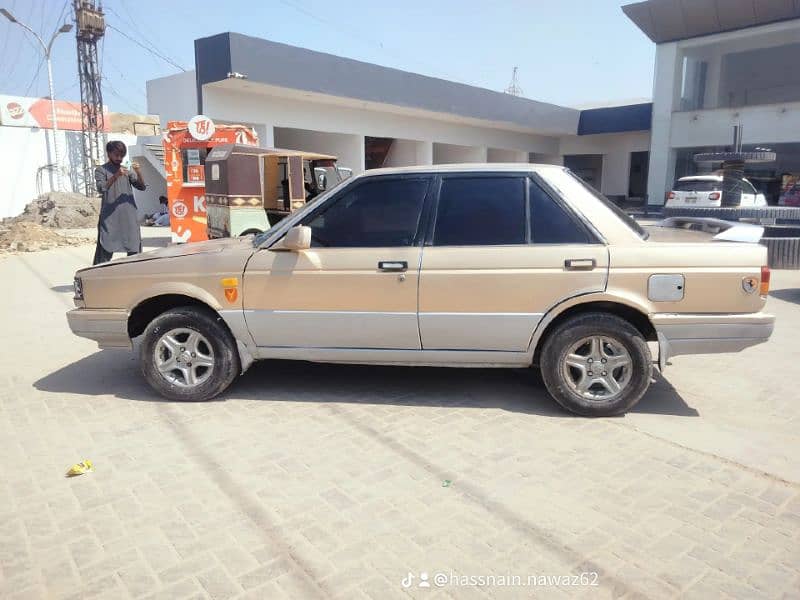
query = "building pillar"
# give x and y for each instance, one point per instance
(266, 135)
(424, 153)
(666, 88)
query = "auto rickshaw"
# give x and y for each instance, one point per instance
(249, 189)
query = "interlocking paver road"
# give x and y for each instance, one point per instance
(310, 481)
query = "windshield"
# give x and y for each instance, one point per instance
(567, 184)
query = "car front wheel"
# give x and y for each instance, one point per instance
(188, 354)
(596, 364)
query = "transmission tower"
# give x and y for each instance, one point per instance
(90, 28)
(513, 87)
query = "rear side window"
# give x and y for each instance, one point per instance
(550, 222)
(481, 211)
(697, 186)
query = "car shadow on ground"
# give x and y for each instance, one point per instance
(117, 372)
(787, 295)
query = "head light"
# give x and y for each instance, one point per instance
(78, 285)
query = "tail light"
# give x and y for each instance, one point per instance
(714, 196)
(764, 280)
(670, 196)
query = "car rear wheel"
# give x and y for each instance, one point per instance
(596, 364)
(188, 354)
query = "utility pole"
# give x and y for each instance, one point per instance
(513, 87)
(46, 48)
(91, 27)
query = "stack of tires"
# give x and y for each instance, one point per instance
(781, 228)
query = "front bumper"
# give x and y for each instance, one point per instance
(709, 334)
(108, 327)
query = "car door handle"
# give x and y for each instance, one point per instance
(580, 264)
(393, 265)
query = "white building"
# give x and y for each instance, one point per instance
(720, 63)
(28, 168)
(372, 116)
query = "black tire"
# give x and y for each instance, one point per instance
(226, 364)
(572, 331)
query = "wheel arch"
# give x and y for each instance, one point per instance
(148, 309)
(169, 297)
(249, 231)
(633, 313)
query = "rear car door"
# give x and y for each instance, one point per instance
(356, 287)
(501, 252)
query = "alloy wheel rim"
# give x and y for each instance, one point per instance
(597, 368)
(184, 357)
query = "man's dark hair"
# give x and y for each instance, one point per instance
(116, 145)
(163, 200)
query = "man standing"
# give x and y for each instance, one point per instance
(118, 227)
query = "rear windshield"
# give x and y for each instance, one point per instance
(574, 184)
(697, 186)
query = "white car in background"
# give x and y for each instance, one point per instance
(706, 191)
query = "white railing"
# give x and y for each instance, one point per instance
(763, 124)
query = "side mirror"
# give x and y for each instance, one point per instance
(298, 238)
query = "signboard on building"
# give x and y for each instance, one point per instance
(21, 111)
(201, 127)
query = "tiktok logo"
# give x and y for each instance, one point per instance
(408, 580)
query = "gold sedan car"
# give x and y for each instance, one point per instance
(458, 266)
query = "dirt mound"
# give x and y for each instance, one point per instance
(64, 210)
(31, 237)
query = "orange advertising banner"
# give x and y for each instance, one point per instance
(184, 158)
(21, 111)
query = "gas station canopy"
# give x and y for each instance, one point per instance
(672, 20)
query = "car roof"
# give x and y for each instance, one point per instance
(463, 167)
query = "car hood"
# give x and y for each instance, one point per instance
(178, 250)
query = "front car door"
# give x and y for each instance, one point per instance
(501, 253)
(356, 287)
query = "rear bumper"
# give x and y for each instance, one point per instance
(109, 328)
(709, 334)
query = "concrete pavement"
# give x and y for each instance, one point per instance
(327, 481)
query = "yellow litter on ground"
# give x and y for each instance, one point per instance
(80, 468)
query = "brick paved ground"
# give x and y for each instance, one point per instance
(326, 481)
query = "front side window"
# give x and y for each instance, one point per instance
(481, 211)
(374, 214)
(550, 222)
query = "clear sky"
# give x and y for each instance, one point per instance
(569, 52)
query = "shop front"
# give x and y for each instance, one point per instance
(779, 181)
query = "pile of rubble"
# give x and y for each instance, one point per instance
(62, 210)
(32, 237)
